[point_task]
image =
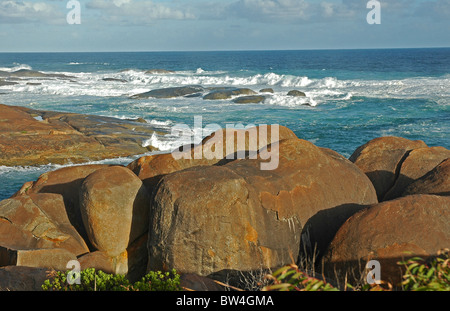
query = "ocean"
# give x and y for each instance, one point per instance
(353, 96)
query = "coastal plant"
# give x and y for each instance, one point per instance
(97, 280)
(291, 278)
(431, 275)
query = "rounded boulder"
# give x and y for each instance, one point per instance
(114, 206)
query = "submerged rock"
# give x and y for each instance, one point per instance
(171, 92)
(114, 80)
(296, 93)
(7, 83)
(159, 71)
(256, 99)
(228, 93)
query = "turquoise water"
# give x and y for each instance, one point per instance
(355, 95)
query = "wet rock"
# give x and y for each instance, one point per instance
(228, 93)
(296, 93)
(171, 92)
(256, 99)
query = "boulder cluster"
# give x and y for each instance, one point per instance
(210, 217)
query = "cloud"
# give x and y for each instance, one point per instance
(279, 11)
(16, 12)
(137, 12)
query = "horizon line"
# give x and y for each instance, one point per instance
(231, 50)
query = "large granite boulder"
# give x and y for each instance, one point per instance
(417, 163)
(381, 159)
(213, 149)
(38, 221)
(235, 216)
(436, 181)
(114, 207)
(67, 183)
(416, 225)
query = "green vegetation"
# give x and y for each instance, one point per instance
(92, 280)
(433, 275)
(420, 275)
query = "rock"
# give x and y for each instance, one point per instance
(139, 120)
(114, 80)
(381, 160)
(235, 216)
(296, 93)
(114, 207)
(419, 224)
(159, 71)
(7, 83)
(171, 92)
(63, 138)
(150, 169)
(256, 99)
(437, 181)
(17, 278)
(66, 182)
(25, 73)
(228, 93)
(417, 163)
(267, 90)
(54, 258)
(38, 221)
(132, 263)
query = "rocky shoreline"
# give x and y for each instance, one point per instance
(34, 137)
(210, 217)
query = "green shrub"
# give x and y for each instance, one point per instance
(432, 275)
(420, 275)
(93, 280)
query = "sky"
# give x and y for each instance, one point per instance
(208, 25)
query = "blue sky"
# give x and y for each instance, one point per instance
(182, 25)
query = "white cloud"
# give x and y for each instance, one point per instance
(136, 12)
(27, 11)
(271, 10)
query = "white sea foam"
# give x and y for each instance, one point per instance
(165, 143)
(16, 67)
(327, 88)
(290, 101)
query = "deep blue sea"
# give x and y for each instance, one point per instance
(354, 95)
